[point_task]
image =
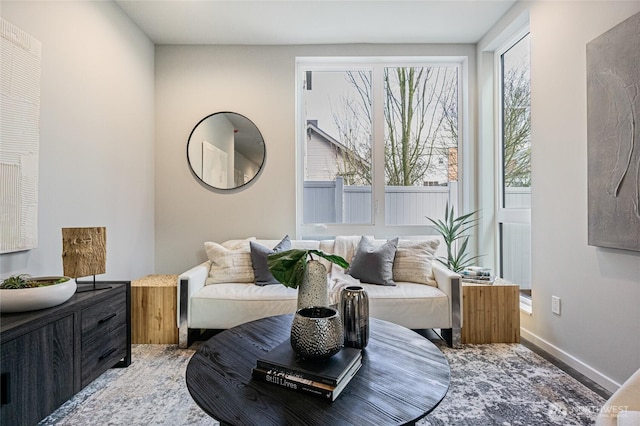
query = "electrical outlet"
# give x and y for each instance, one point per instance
(555, 305)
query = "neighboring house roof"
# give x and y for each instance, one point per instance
(448, 174)
(312, 126)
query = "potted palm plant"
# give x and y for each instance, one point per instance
(454, 232)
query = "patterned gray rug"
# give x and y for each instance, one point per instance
(499, 384)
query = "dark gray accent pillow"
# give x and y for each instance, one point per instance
(259, 255)
(374, 265)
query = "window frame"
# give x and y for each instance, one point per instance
(505, 215)
(376, 65)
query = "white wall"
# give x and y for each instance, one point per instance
(598, 331)
(259, 83)
(96, 134)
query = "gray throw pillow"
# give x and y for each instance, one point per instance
(259, 255)
(374, 265)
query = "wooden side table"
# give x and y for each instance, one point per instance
(153, 309)
(491, 313)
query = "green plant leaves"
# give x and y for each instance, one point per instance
(16, 282)
(338, 260)
(288, 266)
(26, 281)
(453, 230)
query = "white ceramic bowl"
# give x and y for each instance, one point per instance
(31, 299)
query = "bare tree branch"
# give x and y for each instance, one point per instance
(418, 105)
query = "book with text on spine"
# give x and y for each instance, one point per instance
(329, 370)
(307, 386)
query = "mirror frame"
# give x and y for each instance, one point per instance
(234, 187)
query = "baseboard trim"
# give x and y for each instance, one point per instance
(573, 362)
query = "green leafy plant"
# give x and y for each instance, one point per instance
(16, 282)
(454, 231)
(25, 281)
(289, 266)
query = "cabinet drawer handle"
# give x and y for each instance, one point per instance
(106, 354)
(5, 398)
(107, 318)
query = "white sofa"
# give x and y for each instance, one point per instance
(623, 407)
(206, 301)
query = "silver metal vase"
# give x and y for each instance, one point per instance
(314, 289)
(354, 310)
(316, 332)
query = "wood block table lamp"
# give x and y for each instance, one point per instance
(84, 253)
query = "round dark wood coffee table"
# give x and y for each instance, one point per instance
(403, 378)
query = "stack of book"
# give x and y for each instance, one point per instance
(325, 378)
(477, 274)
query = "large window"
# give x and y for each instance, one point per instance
(338, 157)
(514, 210)
(379, 145)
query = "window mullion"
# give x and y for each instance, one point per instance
(378, 147)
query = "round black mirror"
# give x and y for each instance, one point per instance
(225, 150)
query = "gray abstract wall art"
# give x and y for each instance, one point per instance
(613, 136)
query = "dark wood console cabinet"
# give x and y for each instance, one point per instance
(47, 356)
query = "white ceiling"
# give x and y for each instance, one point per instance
(313, 21)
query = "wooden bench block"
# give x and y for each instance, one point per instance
(153, 309)
(491, 313)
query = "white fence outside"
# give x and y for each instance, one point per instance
(517, 198)
(334, 202)
(516, 240)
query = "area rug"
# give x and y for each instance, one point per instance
(498, 384)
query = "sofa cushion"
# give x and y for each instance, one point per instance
(259, 255)
(374, 265)
(230, 262)
(232, 304)
(246, 291)
(414, 260)
(408, 304)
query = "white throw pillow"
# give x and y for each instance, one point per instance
(345, 247)
(230, 262)
(414, 260)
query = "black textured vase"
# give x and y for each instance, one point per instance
(354, 309)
